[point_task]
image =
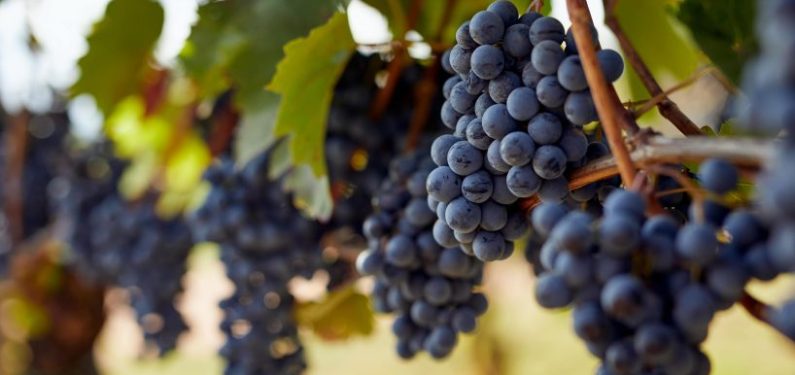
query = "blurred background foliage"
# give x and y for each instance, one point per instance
(149, 79)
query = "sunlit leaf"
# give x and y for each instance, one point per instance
(724, 29)
(342, 314)
(653, 32)
(236, 45)
(119, 49)
(305, 79)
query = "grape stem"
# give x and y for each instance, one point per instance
(654, 101)
(536, 6)
(224, 121)
(743, 152)
(667, 108)
(15, 145)
(427, 87)
(695, 192)
(612, 114)
(395, 67)
(759, 311)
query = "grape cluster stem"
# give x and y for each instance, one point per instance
(15, 144)
(608, 106)
(743, 152)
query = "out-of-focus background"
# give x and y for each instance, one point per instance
(516, 336)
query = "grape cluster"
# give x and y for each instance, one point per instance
(645, 288)
(429, 288)
(516, 105)
(358, 148)
(769, 79)
(769, 82)
(147, 255)
(264, 242)
(44, 151)
(89, 179)
(136, 249)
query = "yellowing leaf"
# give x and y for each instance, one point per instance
(344, 313)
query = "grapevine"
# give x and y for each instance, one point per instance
(352, 182)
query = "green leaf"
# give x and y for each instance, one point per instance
(119, 49)
(653, 33)
(237, 45)
(430, 16)
(305, 79)
(342, 314)
(724, 29)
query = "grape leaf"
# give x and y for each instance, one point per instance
(119, 49)
(305, 79)
(342, 314)
(431, 15)
(236, 45)
(724, 29)
(653, 33)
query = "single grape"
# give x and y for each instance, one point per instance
(502, 194)
(502, 86)
(697, 242)
(552, 291)
(475, 85)
(579, 108)
(622, 359)
(546, 28)
(624, 298)
(549, 162)
(571, 45)
(522, 104)
(461, 100)
(554, 190)
(611, 64)
(545, 217)
(462, 215)
(487, 61)
(440, 146)
(506, 10)
(449, 115)
(571, 74)
(464, 159)
(530, 76)
(443, 184)
(477, 187)
(461, 125)
(655, 343)
(718, 175)
(494, 159)
(619, 235)
(497, 122)
(517, 40)
(522, 181)
(444, 235)
(529, 17)
(494, 216)
(517, 148)
(476, 136)
(574, 144)
(463, 38)
(448, 86)
(486, 27)
(546, 57)
(446, 66)
(482, 104)
(460, 60)
(550, 93)
(545, 128)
